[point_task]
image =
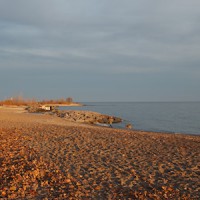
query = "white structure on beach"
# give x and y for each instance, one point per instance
(48, 108)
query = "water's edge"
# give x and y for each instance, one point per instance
(168, 117)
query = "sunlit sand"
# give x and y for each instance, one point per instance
(43, 156)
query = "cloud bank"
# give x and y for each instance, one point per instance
(104, 38)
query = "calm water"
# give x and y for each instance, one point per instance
(164, 117)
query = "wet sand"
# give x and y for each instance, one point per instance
(46, 157)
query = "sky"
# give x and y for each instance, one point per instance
(100, 50)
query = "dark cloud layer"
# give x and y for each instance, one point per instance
(81, 47)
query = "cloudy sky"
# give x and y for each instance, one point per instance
(100, 50)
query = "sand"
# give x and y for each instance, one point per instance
(64, 105)
(46, 157)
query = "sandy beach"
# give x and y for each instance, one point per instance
(46, 157)
(64, 105)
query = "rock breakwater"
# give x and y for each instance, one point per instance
(87, 117)
(78, 115)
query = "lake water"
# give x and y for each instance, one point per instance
(173, 117)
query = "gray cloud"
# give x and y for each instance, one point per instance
(101, 37)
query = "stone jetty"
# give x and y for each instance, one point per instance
(86, 117)
(80, 116)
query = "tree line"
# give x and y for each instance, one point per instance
(20, 101)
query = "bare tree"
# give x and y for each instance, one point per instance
(69, 100)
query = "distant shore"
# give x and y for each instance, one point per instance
(44, 156)
(60, 105)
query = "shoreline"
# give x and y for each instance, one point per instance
(63, 105)
(22, 109)
(43, 156)
(168, 132)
